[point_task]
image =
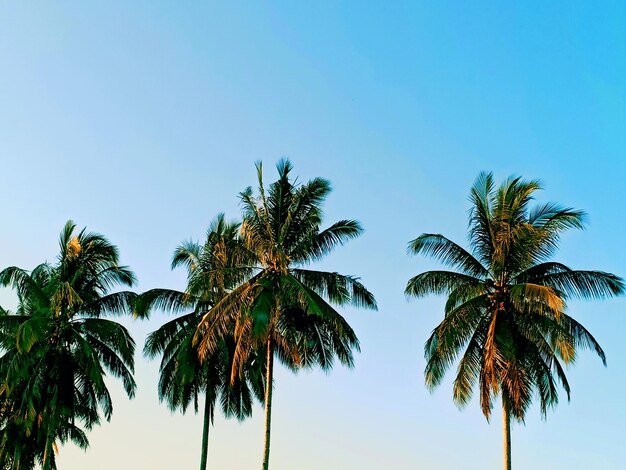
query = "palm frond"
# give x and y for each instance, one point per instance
(585, 285)
(440, 282)
(118, 303)
(449, 337)
(446, 251)
(337, 288)
(536, 298)
(166, 300)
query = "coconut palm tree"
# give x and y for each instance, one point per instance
(184, 378)
(58, 345)
(284, 308)
(505, 310)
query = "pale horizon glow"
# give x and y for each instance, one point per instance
(143, 120)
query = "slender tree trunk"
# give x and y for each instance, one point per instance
(48, 454)
(205, 430)
(268, 403)
(506, 421)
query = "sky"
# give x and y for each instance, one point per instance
(142, 120)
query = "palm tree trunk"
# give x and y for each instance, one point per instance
(205, 430)
(48, 454)
(506, 420)
(268, 403)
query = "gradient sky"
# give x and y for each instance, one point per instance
(142, 120)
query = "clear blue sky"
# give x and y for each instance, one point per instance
(142, 120)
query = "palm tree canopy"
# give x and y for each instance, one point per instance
(283, 299)
(506, 299)
(58, 346)
(184, 377)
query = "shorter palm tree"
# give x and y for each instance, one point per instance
(57, 347)
(184, 377)
(505, 313)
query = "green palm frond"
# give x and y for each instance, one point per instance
(449, 253)
(158, 340)
(166, 300)
(582, 337)
(586, 285)
(445, 342)
(339, 289)
(440, 282)
(315, 246)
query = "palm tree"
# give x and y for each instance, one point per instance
(284, 307)
(58, 345)
(505, 309)
(183, 376)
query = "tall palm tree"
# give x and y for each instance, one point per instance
(58, 345)
(284, 308)
(184, 378)
(505, 312)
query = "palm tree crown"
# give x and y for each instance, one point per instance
(506, 302)
(283, 299)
